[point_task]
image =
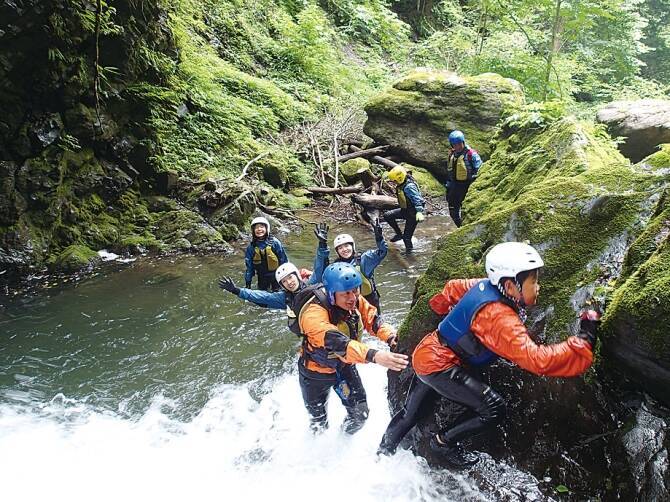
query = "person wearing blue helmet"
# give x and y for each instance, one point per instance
(330, 318)
(462, 169)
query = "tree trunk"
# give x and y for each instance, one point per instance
(337, 191)
(362, 153)
(382, 202)
(376, 159)
(553, 47)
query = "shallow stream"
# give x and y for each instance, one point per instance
(145, 381)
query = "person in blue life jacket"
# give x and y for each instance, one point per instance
(264, 255)
(411, 206)
(290, 280)
(462, 169)
(365, 263)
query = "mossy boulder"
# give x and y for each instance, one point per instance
(428, 184)
(561, 185)
(172, 226)
(354, 169)
(419, 111)
(74, 259)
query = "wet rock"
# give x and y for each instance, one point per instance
(648, 456)
(183, 224)
(46, 130)
(86, 123)
(75, 258)
(431, 104)
(644, 124)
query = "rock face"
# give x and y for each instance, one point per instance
(556, 183)
(644, 124)
(417, 114)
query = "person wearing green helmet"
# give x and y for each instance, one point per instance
(462, 169)
(411, 206)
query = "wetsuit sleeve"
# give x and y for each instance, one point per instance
(475, 162)
(320, 264)
(279, 251)
(316, 326)
(453, 290)
(264, 298)
(414, 195)
(248, 261)
(372, 321)
(499, 328)
(371, 259)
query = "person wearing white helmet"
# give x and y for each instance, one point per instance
(484, 320)
(263, 255)
(365, 263)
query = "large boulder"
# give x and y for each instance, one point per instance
(644, 124)
(419, 111)
(559, 185)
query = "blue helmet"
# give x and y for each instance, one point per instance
(340, 277)
(456, 137)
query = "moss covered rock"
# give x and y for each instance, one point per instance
(353, 169)
(75, 258)
(417, 114)
(428, 184)
(561, 185)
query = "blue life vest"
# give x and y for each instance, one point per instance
(455, 331)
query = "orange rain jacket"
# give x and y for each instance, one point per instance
(315, 323)
(500, 329)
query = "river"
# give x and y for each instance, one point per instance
(145, 381)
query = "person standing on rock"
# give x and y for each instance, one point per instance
(263, 256)
(484, 320)
(411, 206)
(365, 263)
(462, 168)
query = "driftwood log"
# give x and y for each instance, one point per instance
(375, 158)
(382, 202)
(337, 191)
(370, 152)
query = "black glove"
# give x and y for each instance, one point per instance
(228, 284)
(377, 227)
(321, 232)
(392, 342)
(589, 320)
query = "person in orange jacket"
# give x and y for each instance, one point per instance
(484, 321)
(331, 318)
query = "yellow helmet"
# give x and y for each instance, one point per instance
(398, 174)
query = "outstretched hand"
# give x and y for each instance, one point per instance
(321, 232)
(227, 284)
(391, 360)
(377, 227)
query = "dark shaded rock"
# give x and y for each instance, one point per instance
(431, 104)
(75, 258)
(166, 182)
(46, 130)
(85, 123)
(644, 124)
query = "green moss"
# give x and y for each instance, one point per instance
(74, 258)
(428, 184)
(351, 169)
(660, 159)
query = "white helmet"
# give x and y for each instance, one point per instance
(509, 259)
(344, 239)
(264, 221)
(285, 270)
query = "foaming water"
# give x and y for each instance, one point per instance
(150, 383)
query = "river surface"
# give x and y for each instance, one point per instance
(145, 381)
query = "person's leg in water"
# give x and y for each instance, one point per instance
(455, 198)
(391, 218)
(486, 404)
(419, 403)
(315, 388)
(410, 226)
(356, 403)
(264, 283)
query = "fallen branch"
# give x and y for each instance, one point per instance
(376, 158)
(383, 202)
(362, 153)
(337, 191)
(248, 164)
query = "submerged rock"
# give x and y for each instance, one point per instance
(643, 123)
(416, 115)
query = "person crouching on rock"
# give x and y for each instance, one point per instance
(263, 256)
(331, 318)
(411, 206)
(484, 321)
